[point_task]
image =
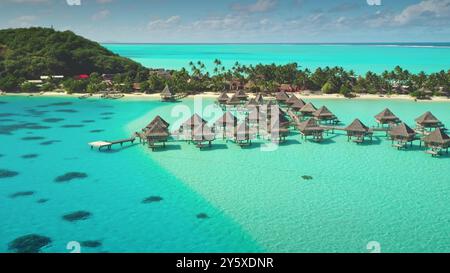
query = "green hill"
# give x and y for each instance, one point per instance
(28, 53)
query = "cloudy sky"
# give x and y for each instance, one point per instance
(233, 21)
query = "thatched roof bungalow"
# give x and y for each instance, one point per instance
(241, 95)
(259, 99)
(167, 94)
(234, 100)
(243, 134)
(223, 98)
(293, 99)
(358, 130)
(403, 134)
(324, 114)
(281, 97)
(193, 122)
(428, 121)
(387, 117)
(310, 127)
(157, 119)
(308, 109)
(437, 141)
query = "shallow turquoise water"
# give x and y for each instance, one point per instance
(360, 58)
(257, 201)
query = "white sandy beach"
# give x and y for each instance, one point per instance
(301, 95)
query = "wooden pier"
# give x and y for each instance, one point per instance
(108, 144)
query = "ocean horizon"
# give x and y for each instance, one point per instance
(359, 57)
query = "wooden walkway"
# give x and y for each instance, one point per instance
(108, 144)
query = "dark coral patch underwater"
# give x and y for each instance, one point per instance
(9, 129)
(7, 173)
(29, 156)
(77, 216)
(33, 138)
(52, 120)
(152, 199)
(96, 131)
(88, 121)
(21, 194)
(307, 177)
(70, 176)
(107, 113)
(32, 243)
(202, 216)
(72, 126)
(50, 142)
(55, 104)
(91, 244)
(66, 111)
(42, 201)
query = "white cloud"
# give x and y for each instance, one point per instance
(258, 6)
(427, 9)
(104, 1)
(164, 23)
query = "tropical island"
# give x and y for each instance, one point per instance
(36, 60)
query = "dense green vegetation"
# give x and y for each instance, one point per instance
(33, 52)
(30, 53)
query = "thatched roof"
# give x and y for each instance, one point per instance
(240, 94)
(256, 116)
(281, 96)
(427, 118)
(226, 119)
(357, 126)
(386, 116)
(259, 99)
(437, 137)
(293, 99)
(203, 133)
(309, 125)
(402, 130)
(308, 108)
(158, 119)
(234, 100)
(296, 106)
(223, 97)
(251, 102)
(323, 112)
(158, 130)
(194, 121)
(243, 131)
(167, 93)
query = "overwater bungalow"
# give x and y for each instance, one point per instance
(297, 106)
(428, 121)
(243, 134)
(167, 94)
(293, 99)
(193, 122)
(277, 130)
(308, 109)
(241, 95)
(275, 114)
(387, 117)
(203, 136)
(359, 131)
(158, 133)
(223, 98)
(437, 142)
(323, 114)
(402, 134)
(251, 103)
(157, 119)
(234, 101)
(281, 97)
(226, 123)
(310, 127)
(259, 99)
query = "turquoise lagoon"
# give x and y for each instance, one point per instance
(428, 57)
(256, 201)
